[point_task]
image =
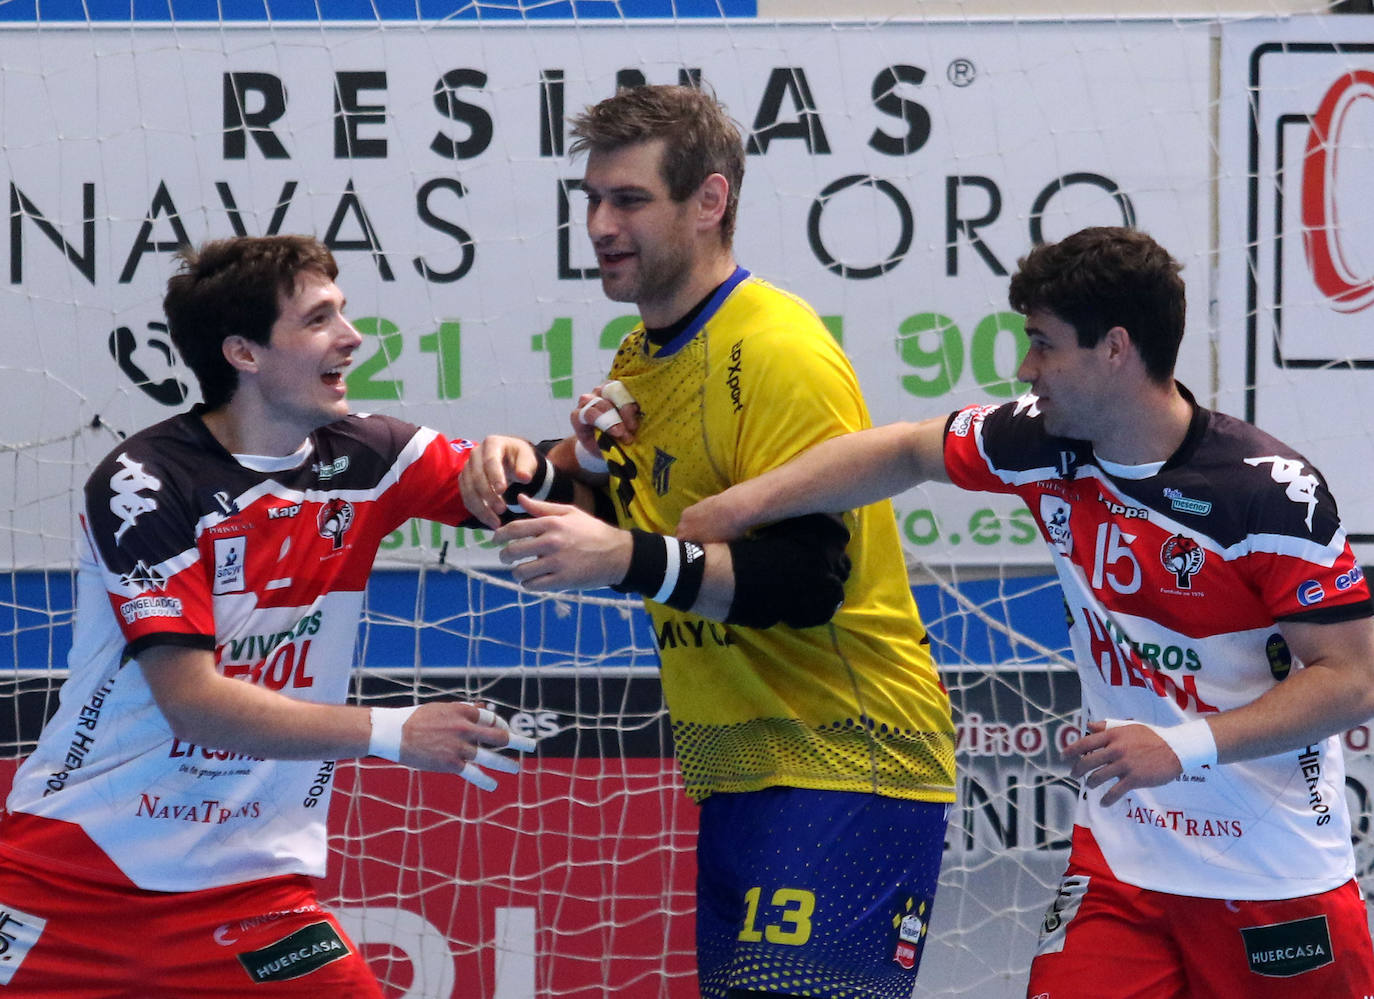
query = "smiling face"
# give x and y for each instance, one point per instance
(646, 243)
(1072, 382)
(295, 381)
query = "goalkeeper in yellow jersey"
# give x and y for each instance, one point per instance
(808, 719)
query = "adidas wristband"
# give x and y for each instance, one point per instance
(665, 569)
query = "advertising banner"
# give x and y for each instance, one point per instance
(1296, 282)
(895, 175)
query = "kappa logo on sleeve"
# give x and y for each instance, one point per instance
(19, 931)
(1282, 950)
(308, 949)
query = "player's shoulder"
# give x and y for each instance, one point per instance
(762, 305)
(172, 449)
(360, 449)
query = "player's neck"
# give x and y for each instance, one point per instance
(1148, 428)
(240, 430)
(707, 273)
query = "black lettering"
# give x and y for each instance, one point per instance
(789, 82)
(162, 205)
(566, 271)
(349, 204)
(468, 251)
(551, 112)
(231, 208)
(239, 122)
(349, 114)
(956, 225)
(475, 118)
(888, 101)
(813, 227)
(1042, 200)
(21, 208)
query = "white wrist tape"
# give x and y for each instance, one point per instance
(1192, 742)
(387, 723)
(589, 460)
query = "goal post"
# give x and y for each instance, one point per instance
(897, 169)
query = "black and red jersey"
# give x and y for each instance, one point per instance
(1176, 577)
(264, 560)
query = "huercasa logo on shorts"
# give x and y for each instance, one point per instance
(295, 956)
(1282, 950)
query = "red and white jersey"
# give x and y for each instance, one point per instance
(263, 561)
(1175, 576)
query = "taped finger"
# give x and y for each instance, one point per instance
(610, 418)
(494, 760)
(474, 775)
(617, 393)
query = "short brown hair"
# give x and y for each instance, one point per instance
(232, 287)
(1109, 276)
(699, 138)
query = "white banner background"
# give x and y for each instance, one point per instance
(1032, 128)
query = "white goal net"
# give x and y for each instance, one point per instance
(897, 170)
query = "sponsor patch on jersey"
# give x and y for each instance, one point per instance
(1282, 950)
(308, 949)
(1054, 513)
(1311, 592)
(1181, 503)
(327, 470)
(19, 931)
(1060, 914)
(911, 934)
(142, 578)
(140, 607)
(229, 558)
(1348, 579)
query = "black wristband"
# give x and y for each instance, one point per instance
(665, 569)
(546, 484)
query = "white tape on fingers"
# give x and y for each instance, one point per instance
(617, 393)
(521, 743)
(495, 761)
(584, 414)
(610, 418)
(473, 775)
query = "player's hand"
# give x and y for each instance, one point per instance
(608, 409)
(492, 467)
(1132, 755)
(462, 738)
(563, 548)
(715, 518)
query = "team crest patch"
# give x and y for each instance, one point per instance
(911, 933)
(336, 517)
(306, 950)
(1182, 556)
(19, 931)
(1282, 950)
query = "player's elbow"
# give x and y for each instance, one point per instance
(790, 573)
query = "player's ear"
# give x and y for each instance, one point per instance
(712, 196)
(240, 352)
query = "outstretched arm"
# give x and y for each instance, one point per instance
(1333, 691)
(202, 705)
(840, 474)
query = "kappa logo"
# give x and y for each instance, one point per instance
(128, 502)
(336, 517)
(1302, 486)
(1184, 557)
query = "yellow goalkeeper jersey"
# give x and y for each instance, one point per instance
(854, 704)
